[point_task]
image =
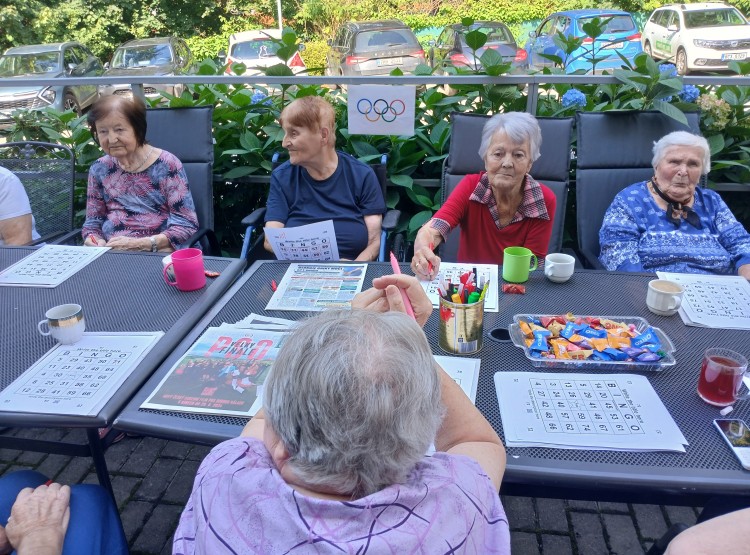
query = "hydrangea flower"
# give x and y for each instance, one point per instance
(260, 98)
(689, 93)
(669, 69)
(573, 97)
(717, 111)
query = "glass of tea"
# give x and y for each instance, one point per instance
(721, 376)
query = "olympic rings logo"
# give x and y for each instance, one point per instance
(381, 109)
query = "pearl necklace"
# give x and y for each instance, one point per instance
(143, 162)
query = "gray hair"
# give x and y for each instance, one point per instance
(355, 398)
(681, 138)
(519, 126)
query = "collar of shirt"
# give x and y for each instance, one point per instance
(532, 206)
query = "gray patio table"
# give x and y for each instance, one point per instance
(119, 291)
(706, 469)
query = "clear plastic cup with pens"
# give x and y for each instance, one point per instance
(462, 316)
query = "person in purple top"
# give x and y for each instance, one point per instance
(340, 461)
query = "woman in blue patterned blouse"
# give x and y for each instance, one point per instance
(668, 223)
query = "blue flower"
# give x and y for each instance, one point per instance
(260, 98)
(574, 97)
(669, 69)
(689, 93)
(668, 98)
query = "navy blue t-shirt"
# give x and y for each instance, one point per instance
(350, 194)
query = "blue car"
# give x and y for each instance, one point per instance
(621, 35)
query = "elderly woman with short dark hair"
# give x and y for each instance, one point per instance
(669, 223)
(138, 196)
(338, 460)
(501, 207)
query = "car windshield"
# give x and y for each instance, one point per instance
(142, 56)
(258, 48)
(367, 41)
(713, 18)
(618, 23)
(494, 34)
(12, 65)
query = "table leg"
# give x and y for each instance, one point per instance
(100, 463)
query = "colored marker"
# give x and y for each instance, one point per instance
(397, 271)
(273, 285)
(429, 264)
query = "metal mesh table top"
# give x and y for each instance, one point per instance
(708, 463)
(119, 292)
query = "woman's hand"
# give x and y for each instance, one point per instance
(130, 243)
(385, 295)
(39, 519)
(420, 264)
(94, 241)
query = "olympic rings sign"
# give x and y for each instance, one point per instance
(381, 109)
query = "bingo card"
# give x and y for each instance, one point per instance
(315, 241)
(452, 271)
(713, 301)
(584, 411)
(78, 379)
(49, 266)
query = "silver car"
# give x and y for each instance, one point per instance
(47, 61)
(162, 56)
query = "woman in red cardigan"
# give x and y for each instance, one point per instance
(501, 207)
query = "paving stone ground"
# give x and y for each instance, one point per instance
(152, 479)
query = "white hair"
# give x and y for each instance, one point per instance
(682, 138)
(519, 126)
(354, 396)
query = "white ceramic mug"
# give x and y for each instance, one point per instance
(559, 267)
(65, 323)
(664, 297)
(166, 265)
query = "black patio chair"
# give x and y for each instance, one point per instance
(188, 134)
(47, 172)
(614, 150)
(255, 221)
(552, 168)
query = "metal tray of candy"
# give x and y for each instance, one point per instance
(634, 323)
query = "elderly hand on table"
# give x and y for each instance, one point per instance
(39, 519)
(385, 295)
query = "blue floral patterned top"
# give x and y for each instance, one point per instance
(636, 236)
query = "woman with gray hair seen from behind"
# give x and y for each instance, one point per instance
(501, 207)
(337, 459)
(670, 224)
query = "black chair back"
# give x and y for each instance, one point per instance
(188, 134)
(614, 150)
(552, 168)
(47, 172)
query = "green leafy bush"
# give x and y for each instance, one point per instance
(314, 56)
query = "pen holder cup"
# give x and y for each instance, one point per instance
(461, 327)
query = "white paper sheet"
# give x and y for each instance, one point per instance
(315, 287)
(452, 271)
(78, 379)
(713, 301)
(585, 411)
(464, 371)
(306, 242)
(381, 109)
(49, 266)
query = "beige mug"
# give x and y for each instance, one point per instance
(664, 297)
(65, 323)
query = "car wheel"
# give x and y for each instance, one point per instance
(681, 62)
(647, 49)
(70, 103)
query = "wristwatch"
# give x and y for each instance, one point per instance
(154, 248)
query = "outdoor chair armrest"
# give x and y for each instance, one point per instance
(254, 219)
(208, 241)
(390, 220)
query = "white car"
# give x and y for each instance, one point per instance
(257, 50)
(704, 36)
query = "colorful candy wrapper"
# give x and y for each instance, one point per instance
(580, 355)
(540, 340)
(618, 342)
(559, 347)
(590, 332)
(648, 340)
(569, 330)
(596, 355)
(632, 352)
(514, 288)
(648, 357)
(616, 354)
(525, 328)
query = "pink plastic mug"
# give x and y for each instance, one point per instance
(189, 273)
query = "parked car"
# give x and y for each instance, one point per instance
(257, 50)
(373, 48)
(47, 61)
(703, 36)
(621, 35)
(163, 56)
(450, 48)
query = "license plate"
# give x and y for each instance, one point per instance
(735, 56)
(390, 61)
(614, 45)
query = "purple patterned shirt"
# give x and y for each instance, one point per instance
(153, 201)
(240, 504)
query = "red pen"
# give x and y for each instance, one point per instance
(93, 239)
(429, 264)
(273, 285)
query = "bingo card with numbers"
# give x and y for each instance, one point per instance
(713, 301)
(584, 411)
(49, 266)
(78, 379)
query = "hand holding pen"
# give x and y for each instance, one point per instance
(425, 264)
(385, 295)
